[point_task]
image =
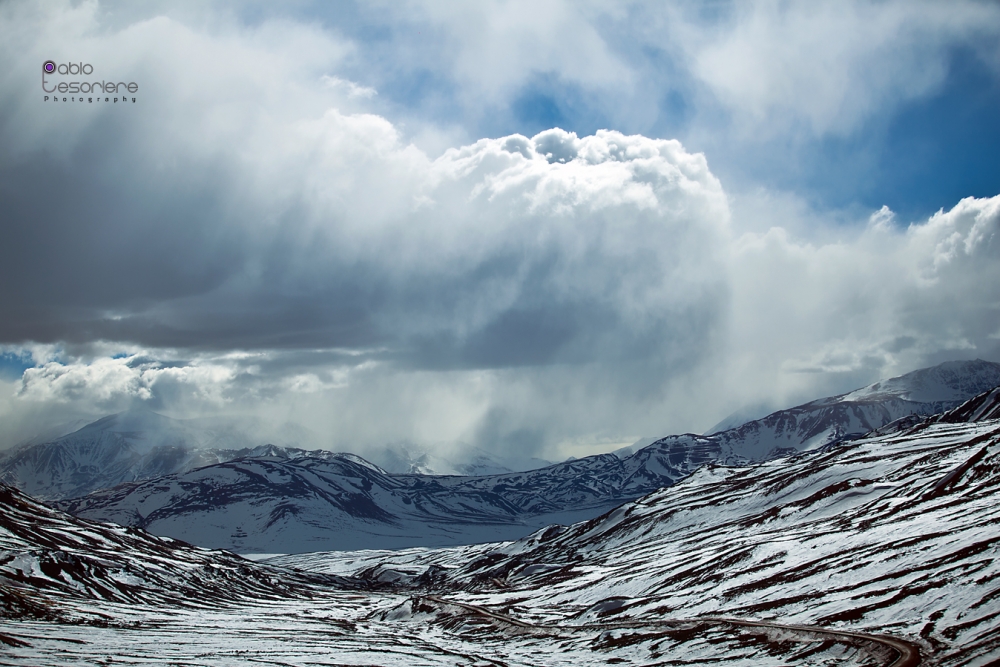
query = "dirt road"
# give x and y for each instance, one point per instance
(907, 653)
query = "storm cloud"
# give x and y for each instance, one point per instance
(256, 234)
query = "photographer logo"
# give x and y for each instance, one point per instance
(75, 90)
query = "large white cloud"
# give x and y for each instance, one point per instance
(879, 300)
(257, 235)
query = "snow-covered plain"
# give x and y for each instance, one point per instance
(895, 533)
(342, 631)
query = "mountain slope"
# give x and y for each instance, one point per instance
(47, 557)
(78, 593)
(138, 444)
(923, 392)
(797, 561)
(894, 534)
(984, 407)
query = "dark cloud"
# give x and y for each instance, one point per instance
(260, 239)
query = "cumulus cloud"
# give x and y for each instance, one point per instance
(304, 222)
(880, 300)
(265, 239)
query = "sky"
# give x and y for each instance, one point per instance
(536, 228)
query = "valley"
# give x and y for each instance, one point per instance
(873, 551)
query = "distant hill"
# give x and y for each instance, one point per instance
(124, 447)
(923, 392)
(140, 444)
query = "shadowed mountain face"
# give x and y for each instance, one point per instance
(271, 504)
(295, 501)
(984, 407)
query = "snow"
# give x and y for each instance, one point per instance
(894, 533)
(849, 538)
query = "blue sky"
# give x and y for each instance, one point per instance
(893, 156)
(550, 228)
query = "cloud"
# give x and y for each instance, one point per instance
(879, 300)
(262, 210)
(261, 237)
(495, 46)
(844, 104)
(353, 89)
(257, 209)
(831, 65)
(772, 68)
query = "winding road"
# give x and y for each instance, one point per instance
(907, 652)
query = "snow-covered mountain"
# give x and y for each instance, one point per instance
(924, 392)
(468, 461)
(124, 447)
(287, 500)
(47, 556)
(279, 504)
(876, 551)
(109, 451)
(895, 533)
(140, 444)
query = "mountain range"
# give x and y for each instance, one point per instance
(893, 533)
(287, 500)
(140, 444)
(272, 504)
(878, 550)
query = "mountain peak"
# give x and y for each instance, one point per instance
(948, 381)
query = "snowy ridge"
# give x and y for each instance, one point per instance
(123, 447)
(47, 556)
(288, 500)
(139, 444)
(924, 392)
(951, 381)
(271, 504)
(984, 407)
(892, 533)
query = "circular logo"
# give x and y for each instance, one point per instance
(49, 67)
